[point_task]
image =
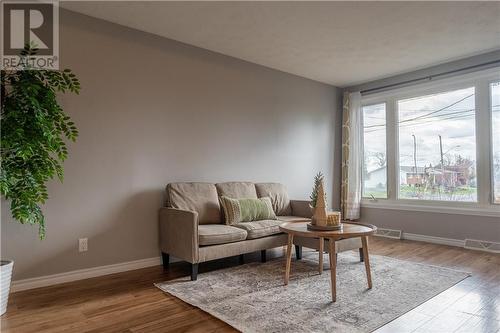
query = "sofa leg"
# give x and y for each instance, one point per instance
(194, 272)
(263, 256)
(241, 259)
(165, 260)
(298, 252)
(361, 255)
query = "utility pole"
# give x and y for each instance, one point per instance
(442, 160)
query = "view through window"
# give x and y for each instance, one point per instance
(437, 147)
(375, 157)
(495, 123)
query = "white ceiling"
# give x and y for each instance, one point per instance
(340, 43)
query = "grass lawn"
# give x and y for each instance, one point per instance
(463, 193)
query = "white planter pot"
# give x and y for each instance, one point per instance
(5, 277)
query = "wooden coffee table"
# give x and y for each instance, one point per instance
(349, 230)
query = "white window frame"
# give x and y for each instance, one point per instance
(492, 173)
(485, 205)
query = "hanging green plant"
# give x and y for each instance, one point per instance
(314, 195)
(34, 128)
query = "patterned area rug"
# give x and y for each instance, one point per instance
(252, 297)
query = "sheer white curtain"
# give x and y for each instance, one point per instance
(351, 155)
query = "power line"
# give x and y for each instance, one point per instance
(436, 118)
(384, 118)
(444, 108)
(431, 116)
(428, 114)
(444, 116)
(460, 117)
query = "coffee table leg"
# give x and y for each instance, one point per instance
(288, 258)
(333, 268)
(321, 251)
(364, 241)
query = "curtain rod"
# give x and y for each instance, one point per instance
(428, 78)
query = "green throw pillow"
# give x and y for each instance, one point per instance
(247, 210)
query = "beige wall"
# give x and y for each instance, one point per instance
(153, 111)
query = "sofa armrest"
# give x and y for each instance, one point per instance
(301, 208)
(179, 233)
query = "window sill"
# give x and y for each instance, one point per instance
(490, 211)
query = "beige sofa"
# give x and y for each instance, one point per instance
(192, 223)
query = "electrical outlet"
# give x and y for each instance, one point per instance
(83, 244)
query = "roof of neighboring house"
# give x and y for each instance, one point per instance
(438, 171)
(411, 169)
(378, 169)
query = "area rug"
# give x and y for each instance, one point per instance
(252, 297)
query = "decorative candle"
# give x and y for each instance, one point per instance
(333, 219)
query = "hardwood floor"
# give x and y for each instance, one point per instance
(470, 306)
(128, 302)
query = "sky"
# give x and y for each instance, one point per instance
(375, 133)
(450, 114)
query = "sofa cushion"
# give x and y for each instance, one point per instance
(293, 219)
(246, 210)
(199, 197)
(237, 190)
(279, 197)
(211, 234)
(258, 229)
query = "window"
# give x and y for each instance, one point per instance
(374, 153)
(495, 125)
(437, 147)
(427, 146)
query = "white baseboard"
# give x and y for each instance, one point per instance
(433, 239)
(80, 274)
